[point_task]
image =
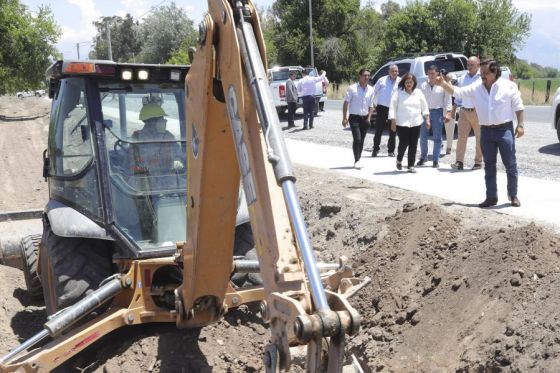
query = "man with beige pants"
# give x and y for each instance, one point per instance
(468, 118)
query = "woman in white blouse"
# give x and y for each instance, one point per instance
(407, 112)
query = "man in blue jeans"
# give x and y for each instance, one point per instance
(439, 103)
(495, 100)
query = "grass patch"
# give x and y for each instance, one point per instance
(337, 94)
(536, 95)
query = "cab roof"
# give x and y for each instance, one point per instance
(150, 73)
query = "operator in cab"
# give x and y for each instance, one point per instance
(149, 154)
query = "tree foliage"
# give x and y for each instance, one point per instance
(162, 37)
(164, 31)
(342, 34)
(347, 36)
(475, 27)
(27, 45)
(126, 42)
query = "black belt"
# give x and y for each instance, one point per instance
(438, 108)
(467, 108)
(501, 125)
(359, 116)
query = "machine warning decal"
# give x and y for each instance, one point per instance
(194, 142)
(241, 148)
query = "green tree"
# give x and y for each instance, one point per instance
(335, 35)
(27, 45)
(126, 43)
(166, 30)
(500, 30)
(389, 8)
(475, 27)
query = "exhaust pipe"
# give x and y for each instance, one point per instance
(10, 252)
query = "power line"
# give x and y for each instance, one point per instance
(152, 9)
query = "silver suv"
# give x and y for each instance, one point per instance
(419, 65)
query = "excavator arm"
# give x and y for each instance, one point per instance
(235, 133)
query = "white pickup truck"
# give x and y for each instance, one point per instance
(277, 77)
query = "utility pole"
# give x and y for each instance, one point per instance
(311, 34)
(78, 49)
(108, 25)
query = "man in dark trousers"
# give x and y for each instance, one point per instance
(291, 98)
(496, 101)
(359, 98)
(383, 90)
(307, 89)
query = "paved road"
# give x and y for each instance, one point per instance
(538, 152)
(539, 198)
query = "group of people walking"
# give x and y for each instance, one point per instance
(487, 107)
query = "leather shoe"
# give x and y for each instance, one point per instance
(399, 165)
(457, 165)
(374, 153)
(515, 201)
(435, 165)
(488, 202)
(421, 162)
(477, 166)
(391, 154)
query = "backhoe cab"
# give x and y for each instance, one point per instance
(147, 222)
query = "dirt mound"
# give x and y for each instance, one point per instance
(449, 299)
(454, 289)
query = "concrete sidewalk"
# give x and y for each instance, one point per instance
(540, 199)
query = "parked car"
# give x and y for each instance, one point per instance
(506, 73)
(277, 77)
(419, 65)
(555, 113)
(24, 94)
(37, 93)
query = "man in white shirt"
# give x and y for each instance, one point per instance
(307, 91)
(359, 98)
(496, 100)
(468, 119)
(439, 103)
(383, 90)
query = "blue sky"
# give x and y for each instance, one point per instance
(75, 18)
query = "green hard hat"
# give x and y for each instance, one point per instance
(150, 111)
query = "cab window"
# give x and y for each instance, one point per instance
(73, 176)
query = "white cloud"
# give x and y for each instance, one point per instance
(135, 8)
(529, 5)
(88, 14)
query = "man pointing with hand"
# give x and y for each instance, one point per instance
(495, 100)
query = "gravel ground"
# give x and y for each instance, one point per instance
(538, 152)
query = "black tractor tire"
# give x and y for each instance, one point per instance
(245, 247)
(558, 128)
(71, 268)
(30, 255)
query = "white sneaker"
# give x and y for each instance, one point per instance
(358, 165)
